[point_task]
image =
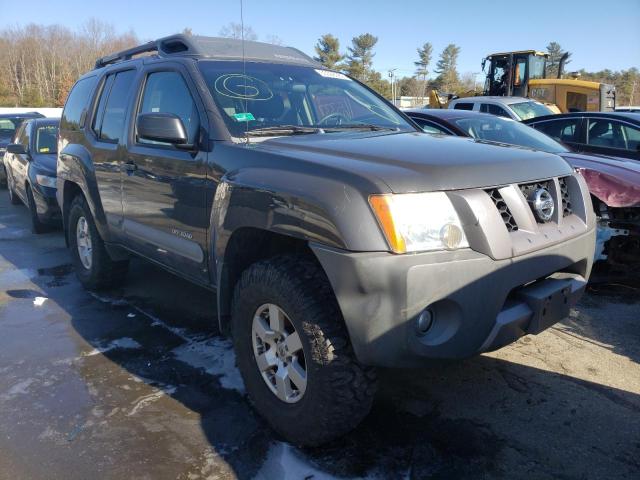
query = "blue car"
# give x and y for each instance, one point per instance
(30, 163)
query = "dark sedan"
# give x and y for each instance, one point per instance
(609, 133)
(30, 163)
(614, 182)
(9, 124)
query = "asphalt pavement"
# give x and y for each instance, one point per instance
(136, 382)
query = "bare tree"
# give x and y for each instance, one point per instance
(234, 30)
(41, 63)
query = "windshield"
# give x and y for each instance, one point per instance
(526, 110)
(504, 130)
(47, 139)
(536, 67)
(267, 95)
(8, 127)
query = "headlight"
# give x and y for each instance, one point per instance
(46, 181)
(416, 222)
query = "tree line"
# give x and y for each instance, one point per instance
(40, 63)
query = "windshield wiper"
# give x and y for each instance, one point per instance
(282, 130)
(358, 126)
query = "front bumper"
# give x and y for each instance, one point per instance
(478, 303)
(47, 205)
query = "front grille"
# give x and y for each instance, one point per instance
(502, 207)
(566, 199)
(528, 189)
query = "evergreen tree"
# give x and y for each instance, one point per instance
(328, 51)
(360, 56)
(424, 59)
(447, 70)
(553, 62)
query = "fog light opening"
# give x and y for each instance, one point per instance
(424, 321)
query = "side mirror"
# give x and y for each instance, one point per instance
(162, 127)
(16, 148)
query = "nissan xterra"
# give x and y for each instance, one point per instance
(337, 236)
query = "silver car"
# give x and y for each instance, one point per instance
(516, 108)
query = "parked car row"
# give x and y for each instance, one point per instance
(337, 235)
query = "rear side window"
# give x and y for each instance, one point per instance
(463, 106)
(494, 110)
(562, 130)
(76, 103)
(612, 134)
(111, 114)
(167, 92)
(23, 136)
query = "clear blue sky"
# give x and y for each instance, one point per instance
(600, 34)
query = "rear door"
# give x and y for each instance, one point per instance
(566, 130)
(164, 187)
(108, 141)
(612, 137)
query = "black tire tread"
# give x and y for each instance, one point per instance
(37, 226)
(348, 396)
(107, 272)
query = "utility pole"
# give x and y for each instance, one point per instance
(392, 76)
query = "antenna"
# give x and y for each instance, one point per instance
(244, 72)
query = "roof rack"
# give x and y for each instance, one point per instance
(212, 47)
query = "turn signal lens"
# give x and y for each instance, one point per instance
(381, 205)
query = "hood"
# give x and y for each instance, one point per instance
(613, 180)
(45, 162)
(416, 162)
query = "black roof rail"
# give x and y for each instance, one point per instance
(211, 47)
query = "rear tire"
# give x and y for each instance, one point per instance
(337, 391)
(94, 268)
(37, 226)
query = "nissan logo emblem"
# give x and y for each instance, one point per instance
(542, 204)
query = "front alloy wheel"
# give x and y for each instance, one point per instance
(83, 242)
(278, 352)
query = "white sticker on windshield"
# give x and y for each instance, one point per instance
(330, 74)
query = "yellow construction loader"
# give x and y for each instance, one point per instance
(524, 74)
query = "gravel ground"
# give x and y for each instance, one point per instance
(137, 383)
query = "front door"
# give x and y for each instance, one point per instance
(163, 186)
(19, 168)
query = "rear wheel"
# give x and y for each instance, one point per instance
(294, 353)
(94, 267)
(37, 226)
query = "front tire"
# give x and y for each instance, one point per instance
(37, 226)
(94, 268)
(315, 390)
(13, 198)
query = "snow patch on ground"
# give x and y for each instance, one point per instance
(19, 388)
(144, 401)
(116, 302)
(125, 342)
(284, 462)
(214, 355)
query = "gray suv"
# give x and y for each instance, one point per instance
(336, 236)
